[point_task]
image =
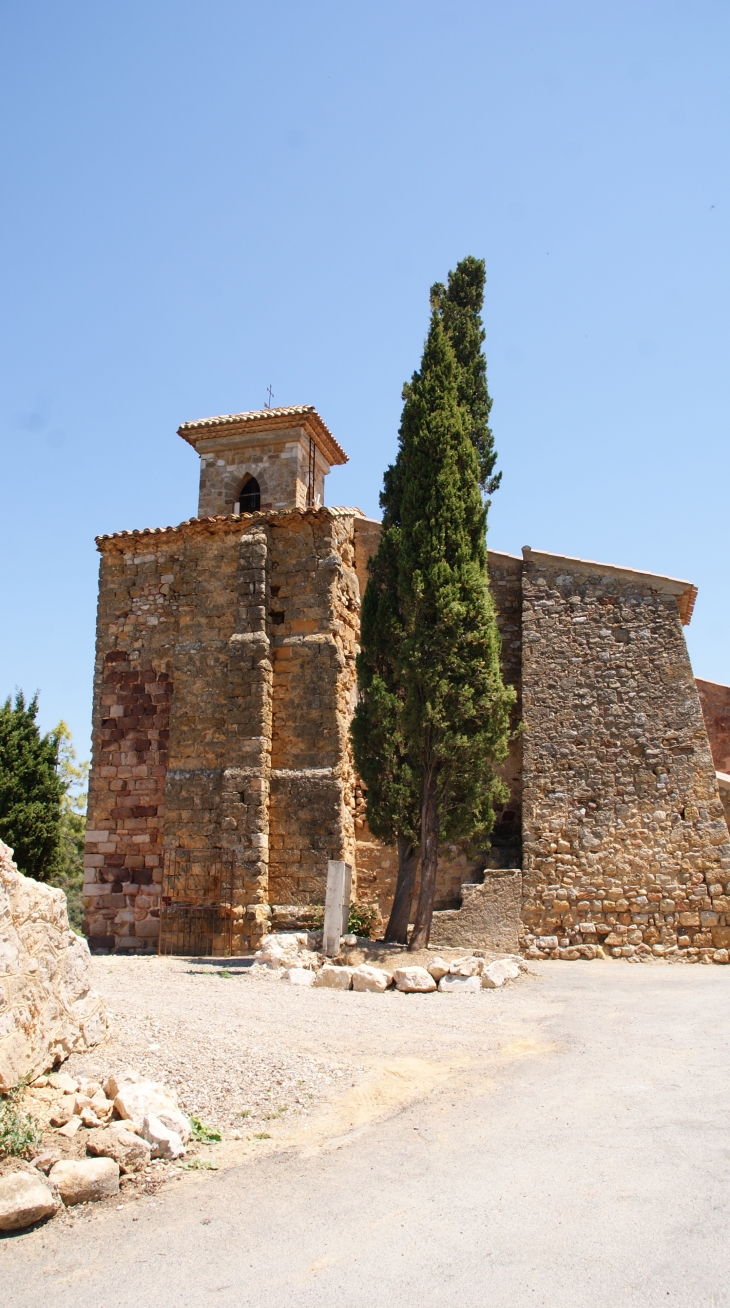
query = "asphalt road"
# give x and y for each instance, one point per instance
(587, 1163)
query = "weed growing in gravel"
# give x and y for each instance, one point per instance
(224, 971)
(245, 1112)
(261, 1135)
(202, 1164)
(19, 1132)
(204, 1134)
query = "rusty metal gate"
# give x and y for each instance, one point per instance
(196, 907)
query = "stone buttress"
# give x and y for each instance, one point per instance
(625, 839)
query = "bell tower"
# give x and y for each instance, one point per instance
(267, 459)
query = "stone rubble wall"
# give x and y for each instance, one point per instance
(48, 1008)
(490, 916)
(625, 839)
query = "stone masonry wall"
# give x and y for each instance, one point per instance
(280, 465)
(315, 599)
(625, 838)
(132, 689)
(223, 693)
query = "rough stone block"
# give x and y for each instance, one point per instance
(371, 978)
(413, 979)
(458, 984)
(334, 978)
(25, 1199)
(504, 969)
(85, 1180)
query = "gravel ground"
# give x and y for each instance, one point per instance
(249, 1052)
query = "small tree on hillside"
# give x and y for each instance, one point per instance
(30, 789)
(455, 715)
(69, 873)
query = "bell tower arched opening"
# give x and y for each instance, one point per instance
(249, 497)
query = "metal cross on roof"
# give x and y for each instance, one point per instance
(270, 394)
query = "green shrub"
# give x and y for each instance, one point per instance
(202, 1133)
(363, 919)
(19, 1132)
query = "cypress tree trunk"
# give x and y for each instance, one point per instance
(429, 863)
(400, 913)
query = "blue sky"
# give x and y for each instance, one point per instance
(202, 199)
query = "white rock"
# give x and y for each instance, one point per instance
(273, 956)
(371, 978)
(62, 1081)
(52, 1009)
(85, 1180)
(124, 1146)
(438, 967)
(63, 1110)
(413, 979)
(300, 976)
(469, 966)
(25, 1199)
(45, 1160)
(102, 1106)
(88, 1117)
(113, 1084)
(90, 1088)
(135, 1101)
(164, 1143)
(304, 959)
(501, 970)
(462, 984)
(547, 942)
(176, 1121)
(280, 950)
(336, 978)
(71, 1126)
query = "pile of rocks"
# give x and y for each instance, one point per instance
(125, 1122)
(293, 956)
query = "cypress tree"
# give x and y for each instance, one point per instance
(455, 709)
(30, 789)
(459, 306)
(392, 778)
(393, 792)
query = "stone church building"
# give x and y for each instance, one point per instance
(222, 778)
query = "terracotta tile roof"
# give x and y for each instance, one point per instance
(262, 420)
(229, 520)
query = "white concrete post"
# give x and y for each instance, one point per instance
(336, 905)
